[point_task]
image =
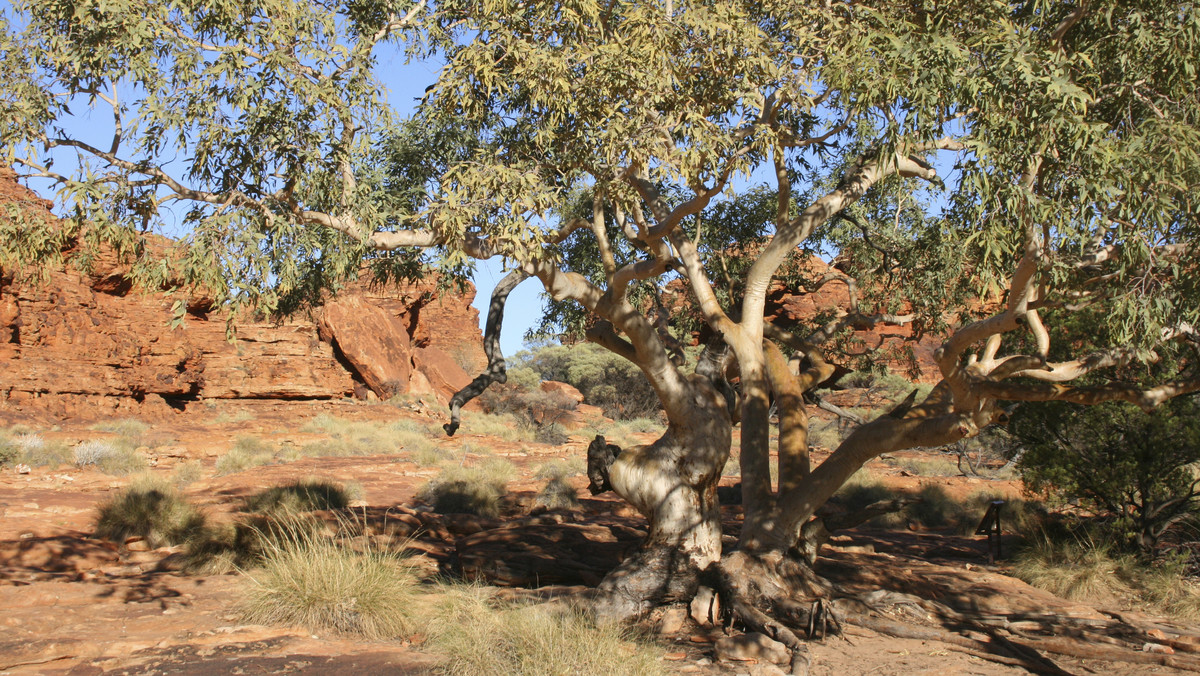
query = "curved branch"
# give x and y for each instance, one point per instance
(1146, 399)
(496, 371)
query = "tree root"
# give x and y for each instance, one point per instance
(760, 592)
(1008, 639)
(781, 597)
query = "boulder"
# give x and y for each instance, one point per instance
(752, 647)
(444, 375)
(563, 389)
(374, 342)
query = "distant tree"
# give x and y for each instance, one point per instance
(605, 380)
(1070, 136)
(1142, 470)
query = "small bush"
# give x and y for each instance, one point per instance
(152, 510)
(310, 581)
(551, 433)
(8, 452)
(480, 639)
(824, 434)
(469, 490)
(307, 495)
(247, 452)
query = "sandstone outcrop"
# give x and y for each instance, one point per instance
(90, 344)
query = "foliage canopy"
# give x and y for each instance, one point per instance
(1009, 175)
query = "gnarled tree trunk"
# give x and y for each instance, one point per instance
(673, 482)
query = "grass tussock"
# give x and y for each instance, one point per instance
(557, 493)
(470, 490)
(241, 545)
(351, 438)
(22, 446)
(624, 433)
(123, 427)
(1078, 568)
(187, 472)
(233, 417)
(305, 495)
(110, 456)
(151, 509)
(310, 580)
(929, 467)
(503, 426)
(478, 638)
(247, 452)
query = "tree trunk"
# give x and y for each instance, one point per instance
(673, 482)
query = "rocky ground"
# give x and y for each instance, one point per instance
(78, 605)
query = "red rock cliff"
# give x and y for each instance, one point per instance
(76, 344)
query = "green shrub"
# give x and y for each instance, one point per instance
(150, 509)
(306, 495)
(605, 380)
(1136, 468)
(480, 639)
(311, 581)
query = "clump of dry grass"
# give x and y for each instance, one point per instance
(307, 579)
(1078, 568)
(151, 509)
(470, 490)
(29, 448)
(558, 493)
(304, 495)
(481, 638)
(1075, 569)
(110, 457)
(351, 438)
(247, 452)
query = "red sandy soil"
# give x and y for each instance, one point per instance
(77, 605)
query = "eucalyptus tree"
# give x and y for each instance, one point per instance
(1069, 132)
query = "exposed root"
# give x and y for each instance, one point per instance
(1022, 639)
(760, 591)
